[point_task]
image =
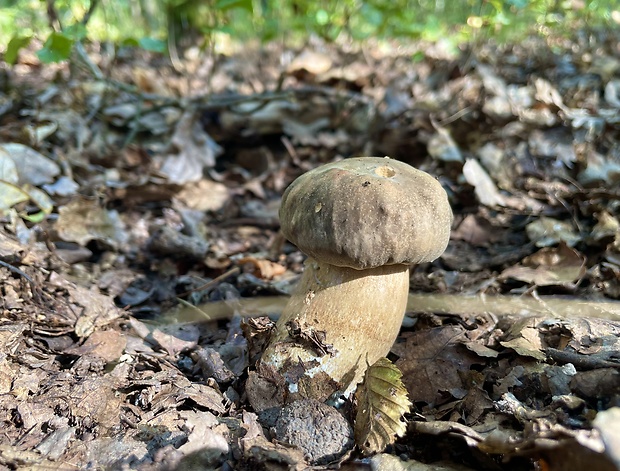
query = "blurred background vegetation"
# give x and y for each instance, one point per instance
(155, 25)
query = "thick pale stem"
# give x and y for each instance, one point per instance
(337, 322)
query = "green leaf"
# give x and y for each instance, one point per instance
(130, 42)
(224, 5)
(418, 56)
(15, 44)
(381, 403)
(152, 44)
(76, 31)
(34, 218)
(57, 48)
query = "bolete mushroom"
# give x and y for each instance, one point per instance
(362, 222)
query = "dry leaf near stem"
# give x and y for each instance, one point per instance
(381, 404)
(263, 269)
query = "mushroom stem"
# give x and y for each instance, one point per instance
(338, 320)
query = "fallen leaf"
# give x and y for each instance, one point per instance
(107, 344)
(550, 266)
(525, 338)
(191, 151)
(262, 268)
(32, 167)
(93, 309)
(441, 146)
(546, 231)
(313, 62)
(204, 195)
(485, 188)
(432, 362)
(381, 404)
(84, 220)
(608, 425)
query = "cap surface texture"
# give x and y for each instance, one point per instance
(366, 212)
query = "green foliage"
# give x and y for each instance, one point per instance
(15, 44)
(57, 48)
(152, 44)
(147, 24)
(224, 5)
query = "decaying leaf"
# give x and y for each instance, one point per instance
(560, 266)
(547, 231)
(382, 401)
(32, 167)
(524, 338)
(485, 188)
(84, 220)
(191, 151)
(434, 363)
(264, 269)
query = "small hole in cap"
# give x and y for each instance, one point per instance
(385, 171)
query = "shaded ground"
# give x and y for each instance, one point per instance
(121, 200)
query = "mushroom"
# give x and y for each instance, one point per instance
(362, 222)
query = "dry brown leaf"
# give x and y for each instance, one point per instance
(262, 268)
(559, 266)
(84, 220)
(204, 195)
(106, 344)
(191, 150)
(97, 310)
(432, 362)
(525, 338)
(204, 396)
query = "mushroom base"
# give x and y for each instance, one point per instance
(338, 321)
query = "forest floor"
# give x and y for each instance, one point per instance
(139, 245)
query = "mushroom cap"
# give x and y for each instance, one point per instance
(365, 212)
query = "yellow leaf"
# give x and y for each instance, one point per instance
(381, 404)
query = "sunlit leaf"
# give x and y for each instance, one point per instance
(8, 169)
(76, 31)
(224, 5)
(40, 198)
(381, 403)
(10, 195)
(12, 49)
(57, 48)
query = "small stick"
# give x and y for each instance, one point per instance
(17, 271)
(213, 282)
(550, 306)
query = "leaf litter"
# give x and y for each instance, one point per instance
(139, 244)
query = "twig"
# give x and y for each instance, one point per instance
(197, 309)
(459, 114)
(17, 271)
(215, 281)
(211, 102)
(584, 362)
(552, 306)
